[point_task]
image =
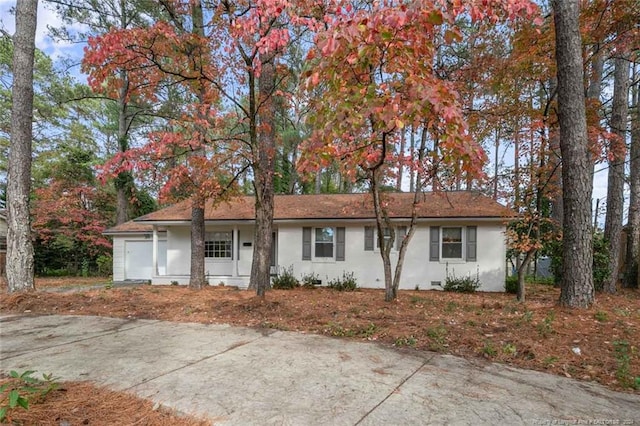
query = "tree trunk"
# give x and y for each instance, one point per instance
(123, 184)
(516, 167)
(382, 223)
(261, 263)
(633, 232)
(263, 179)
(577, 265)
(522, 274)
(403, 142)
(495, 164)
(291, 189)
(615, 185)
(197, 279)
(557, 207)
(19, 245)
(435, 179)
(122, 198)
(555, 160)
(412, 169)
(595, 79)
(404, 244)
(317, 187)
(122, 202)
(594, 91)
(124, 181)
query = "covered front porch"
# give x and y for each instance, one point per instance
(228, 255)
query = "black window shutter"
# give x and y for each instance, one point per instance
(368, 238)
(306, 243)
(401, 231)
(434, 243)
(340, 240)
(472, 237)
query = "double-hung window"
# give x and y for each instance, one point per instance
(371, 239)
(453, 243)
(324, 242)
(218, 245)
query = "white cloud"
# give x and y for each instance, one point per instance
(46, 17)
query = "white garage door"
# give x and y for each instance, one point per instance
(138, 264)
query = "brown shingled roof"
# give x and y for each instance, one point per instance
(130, 227)
(342, 206)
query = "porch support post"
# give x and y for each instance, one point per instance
(236, 251)
(155, 252)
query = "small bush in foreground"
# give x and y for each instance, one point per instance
(511, 284)
(310, 280)
(22, 389)
(489, 350)
(438, 337)
(346, 283)
(285, 280)
(545, 327)
(406, 341)
(461, 284)
(624, 352)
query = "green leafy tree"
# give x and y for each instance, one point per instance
(126, 113)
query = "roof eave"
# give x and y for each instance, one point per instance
(183, 222)
(163, 222)
(111, 233)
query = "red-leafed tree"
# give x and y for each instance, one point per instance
(517, 100)
(228, 62)
(376, 66)
(156, 60)
(513, 74)
(81, 19)
(70, 212)
(69, 222)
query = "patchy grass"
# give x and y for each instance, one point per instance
(71, 282)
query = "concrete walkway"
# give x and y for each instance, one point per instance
(246, 376)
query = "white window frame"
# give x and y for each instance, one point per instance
(210, 238)
(462, 244)
(333, 243)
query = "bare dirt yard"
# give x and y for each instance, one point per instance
(599, 344)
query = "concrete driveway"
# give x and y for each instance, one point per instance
(235, 375)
